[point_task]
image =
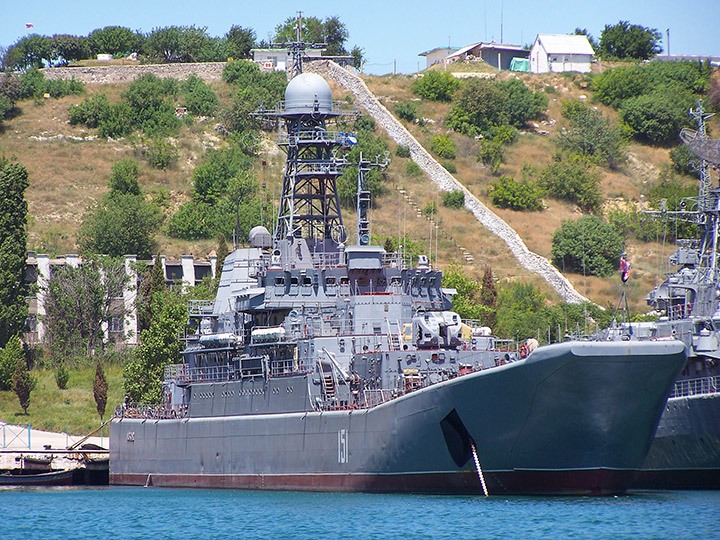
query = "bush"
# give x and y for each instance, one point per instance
(505, 192)
(116, 122)
(241, 72)
(430, 209)
(480, 104)
(160, 153)
(412, 169)
(90, 112)
(193, 221)
(406, 111)
(402, 151)
(504, 134)
(449, 166)
(491, 155)
(436, 86)
(61, 377)
(124, 177)
(684, 161)
(657, 117)
(118, 225)
(571, 180)
(591, 135)
(443, 146)
(200, 100)
(454, 199)
(147, 97)
(588, 245)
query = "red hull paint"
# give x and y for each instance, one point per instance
(579, 482)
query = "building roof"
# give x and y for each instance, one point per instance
(438, 49)
(565, 44)
(486, 46)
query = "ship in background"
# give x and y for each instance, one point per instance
(329, 366)
(685, 453)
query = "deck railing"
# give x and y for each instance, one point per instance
(696, 387)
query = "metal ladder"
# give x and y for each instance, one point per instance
(394, 338)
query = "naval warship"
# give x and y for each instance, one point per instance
(685, 453)
(330, 366)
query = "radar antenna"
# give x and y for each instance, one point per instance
(296, 49)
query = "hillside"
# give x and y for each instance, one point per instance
(69, 167)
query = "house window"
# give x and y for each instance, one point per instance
(31, 323)
(117, 324)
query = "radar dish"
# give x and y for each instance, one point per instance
(702, 147)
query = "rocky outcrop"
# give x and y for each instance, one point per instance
(441, 177)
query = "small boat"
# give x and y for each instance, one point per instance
(19, 477)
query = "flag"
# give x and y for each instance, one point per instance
(29, 25)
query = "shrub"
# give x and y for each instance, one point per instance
(436, 86)
(406, 111)
(454, 198)
(684, 161)
(241, 72)
(116, 122)
(443, 146)
(572, 181)
(588, 245)
(61, 377)
(160, 153)
(449, 166)
(147, 97)
(90, 112)
(657, 117)
(491, 155)
(521, 104)
(402, 151)
(505, 192)
(124, 177)
(504, 134)
(412, 169)
(200, 100)
(591, 135)
(32, 84)
(430, 209)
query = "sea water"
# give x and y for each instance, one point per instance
(158, 513)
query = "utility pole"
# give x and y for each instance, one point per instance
(667, 32)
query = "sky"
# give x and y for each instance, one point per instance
(392, 33)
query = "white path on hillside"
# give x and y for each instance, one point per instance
(446, 181)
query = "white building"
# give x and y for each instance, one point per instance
(437, 55)
(560, 52)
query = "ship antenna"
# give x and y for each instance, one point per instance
(363, 196)
(296, 49)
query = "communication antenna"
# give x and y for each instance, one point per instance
(363, 196)
(296, 49)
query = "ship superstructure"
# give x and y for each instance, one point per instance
(323, 365)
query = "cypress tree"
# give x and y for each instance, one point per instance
(13, 240)
(154, 281)
(22, 382)
(222, 252)
(488, 297)
(100, 388)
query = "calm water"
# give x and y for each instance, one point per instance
(155, 513)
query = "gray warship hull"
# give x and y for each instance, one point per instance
(573, 418)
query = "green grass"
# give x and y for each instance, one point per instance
(52, 409)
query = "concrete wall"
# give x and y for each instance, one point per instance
(208, 71)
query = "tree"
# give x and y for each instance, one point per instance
(79, 303)
(177, 43)
(124, 177)
(158, 347)
(69, 48)
(436, 86)
(22, 382)
(239, 41)
(520, 311)
(584, 32)
(505, 192)
(572, 179)
(115, 40)
(100, 388)
(592, 135)
(466, 302)
(625, 40)
(657, 117)
(588, 245)
(488, 297)
(13, 240)
(221, 253)
(8, 360)
(200, 99)
(153, 281)
(314, 30)
(29, 51)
